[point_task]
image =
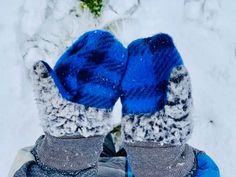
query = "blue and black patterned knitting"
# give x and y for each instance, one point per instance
(91, 69)
(151, 61)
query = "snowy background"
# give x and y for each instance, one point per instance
(203, 30)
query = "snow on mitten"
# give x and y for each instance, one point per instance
(156, 106)
(75, 100)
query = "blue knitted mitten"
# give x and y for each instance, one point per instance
(76, 98)
(156, 99)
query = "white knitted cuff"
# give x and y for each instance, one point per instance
(60, 117)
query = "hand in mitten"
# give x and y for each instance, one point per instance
(156, 106)
(75, 101)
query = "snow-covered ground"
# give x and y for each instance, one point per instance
(203, 30)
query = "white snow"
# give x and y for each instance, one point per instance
(203, 30)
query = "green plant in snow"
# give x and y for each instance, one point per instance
(95, 6)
